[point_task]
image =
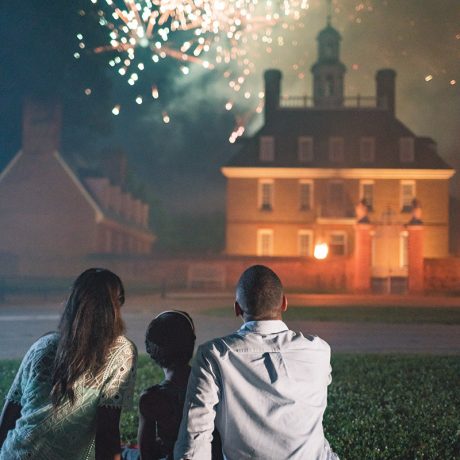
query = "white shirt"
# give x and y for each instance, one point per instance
(265, 389)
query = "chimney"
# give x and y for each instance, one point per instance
(114, 166)
(41, 126)
(272, 91)
(386, 84)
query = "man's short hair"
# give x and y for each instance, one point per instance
(259, 292)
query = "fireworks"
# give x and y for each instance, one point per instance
(225, 34)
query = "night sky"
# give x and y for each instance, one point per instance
(179, 161)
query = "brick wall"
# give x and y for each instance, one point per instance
(442, 275)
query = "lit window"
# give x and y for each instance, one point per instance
(336, 149)
(406, 149)
(265, 242)
(407, 195)
(367, 193)
(337, 243)
(266, 195)
(305, 149)
(305, 240)
(267, 148)
(367, 149)
(306, 195)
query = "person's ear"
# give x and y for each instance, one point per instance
(284, 304)
(238, 310)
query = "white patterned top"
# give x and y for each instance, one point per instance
(67, 432)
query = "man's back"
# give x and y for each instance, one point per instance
(265, 388)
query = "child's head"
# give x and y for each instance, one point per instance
(170, 338)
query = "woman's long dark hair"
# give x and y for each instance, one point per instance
(89, 325)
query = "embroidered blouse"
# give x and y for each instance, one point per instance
(68, 431)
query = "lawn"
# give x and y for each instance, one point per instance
(380, 406)
(376, 314)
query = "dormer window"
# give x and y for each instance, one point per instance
(406, 149)
(336, 149)
(305, 149)
(367, 149)
(267, 148)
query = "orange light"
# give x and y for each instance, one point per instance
(321, 251)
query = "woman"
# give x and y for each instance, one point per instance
(66, 399)
(169, 340)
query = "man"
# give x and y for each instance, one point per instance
(263, 387)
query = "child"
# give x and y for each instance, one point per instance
(169, 340)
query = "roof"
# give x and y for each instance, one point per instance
(286, 125)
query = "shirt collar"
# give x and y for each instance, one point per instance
(264, 327)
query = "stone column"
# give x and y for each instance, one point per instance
(415, 258)
(362, 257)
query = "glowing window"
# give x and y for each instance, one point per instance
(266, 195)
(306, 195)
(367, 193)
(305, 243)
(337, 243)
(265, 242)
(407, 195)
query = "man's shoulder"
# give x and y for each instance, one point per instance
(285, 339)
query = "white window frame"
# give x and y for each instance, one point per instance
(261, 234)
(261, 205)
(310, 204)
(267, 148)
(404, 206)
(406, 150)
(404, 249)
(362, 185)
(305, 149)
(300, 234)
(345, 242)
(336, 156)
(367, 156)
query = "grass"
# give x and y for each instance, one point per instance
(380, 406)
(376, 314)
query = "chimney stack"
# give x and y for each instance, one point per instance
(272, 79)
(41, 126)
(386, 89)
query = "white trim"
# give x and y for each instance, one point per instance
(339, 173)
(336, 220)
(10, 165)
(81, 188)
(404, 249)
